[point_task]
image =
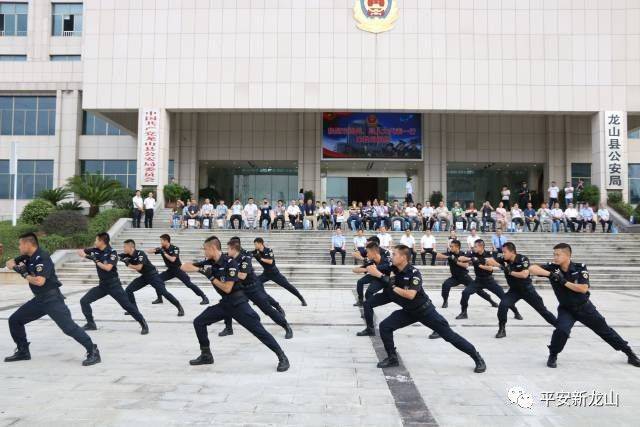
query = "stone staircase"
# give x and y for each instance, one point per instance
(303, 256)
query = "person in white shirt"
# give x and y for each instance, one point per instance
(553, 191)
(293, 213)
(544, 215)
(428, 246)
(138, 209)
(149, 205)
(604, 218)
(517, 216)
(408, 240)
(442, 214)
(250, 213)
(206, 212)
(557, 216)
(427, 213)
(571, 216)
(385, 238)
(409, 188)
(411, 216)
(568, 194)
(359, 247)
(452, 236)
(506, 197)
(236, 214)
(471, 239)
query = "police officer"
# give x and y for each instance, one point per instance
(106, 260)
(137, 260)
(570, 283)
(384, 258)
(265, 257)
(171, 257)
(222, 271)
(516, 270)
(36, 267)
(253, 289)
(405, 289)
(484, 278)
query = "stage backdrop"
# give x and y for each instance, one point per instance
(372, 136)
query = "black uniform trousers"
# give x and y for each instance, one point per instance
(242, 313)
(137, 217)
(375, 285)
(148, 218)
(333, 251)
(260, 298)
(372, 302)
(432, 255)
(429, 317)
(277, 277)
(529, 294)
(467, 281)
(176, 273)
(114, 289)
(51, 304)
(488, 283)
(156, 282)
(588, 315)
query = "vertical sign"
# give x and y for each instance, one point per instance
(615, 149)
(150, 146)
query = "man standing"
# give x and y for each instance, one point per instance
(149, 206)
(171, 257)
(553, 191)
(138, 209)
(337, 245)
(265, 257)
(36, 267)
(409, 188)
(568, 194)
(570, 283)
(524, 195)
(106, 259)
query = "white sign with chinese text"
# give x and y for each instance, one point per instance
(150, 146)
(614, 132)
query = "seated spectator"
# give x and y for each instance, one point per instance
(408, 240)
(193, 214)
(452, 236)
(604, 218)
(442, 215)
(337, 245)
(471, 239)
(310, 214)
(176, 215)
(251, 214)
(359, 247)
(221, 214)
(458, 217)
(185, 214)
(236, 215)
(207, 214)
(531, 216)
(517, 217)
(396, 213)
(295, 215)
(339, 214)
(385, 238)
(544, 215)
(324, 216)
(587, 217)
(279, 215)
(471, 215)
(428, 216)
(557, 216)
(571, 217)
(498, 240)
(265, 215)
(368, 220)
(382, 212)
(354, 220)
(411, 216)
(501, 217)
(428, 246)
(486, 211)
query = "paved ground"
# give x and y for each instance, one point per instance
(333, 381)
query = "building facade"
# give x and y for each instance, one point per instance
(232, 98)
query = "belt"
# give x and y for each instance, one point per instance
(421, 309)
(46, 294)
(112, 281)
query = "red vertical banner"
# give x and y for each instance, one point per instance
(150, 147)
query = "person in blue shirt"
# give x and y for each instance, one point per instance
(337, 245)
(498, 240)
(586, 217)
(531, 216)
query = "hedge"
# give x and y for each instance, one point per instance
(65, 223)
(105, 219)
(36, 211)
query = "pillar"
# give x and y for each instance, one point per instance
(154, 130)
(434, 152)
(186, 136)
(309, 152)
(68, 126)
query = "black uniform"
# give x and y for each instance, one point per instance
(271, 272)
(484, 279)
(233, 304)
(420, 309)
(459, 275)
(47, 300)
(109, 285)
(375, 285)
(173, 270)
(148, 276)
(520, 289)
(374, 298)
(254, 290)
(576, 306)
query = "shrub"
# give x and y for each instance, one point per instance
(79, 240)
(36, 211)
(435, 198)
(55, 195)
(52, 243)
(123, 198)
(614, 200)
(69, 206)
(590, 194)
(65, 223)
(104, 220)
(94, 189)
(9, 238)
(173, 192)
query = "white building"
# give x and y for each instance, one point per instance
(503, 91)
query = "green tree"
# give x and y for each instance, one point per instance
(54, 195)
(93, 189)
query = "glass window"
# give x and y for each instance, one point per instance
(67, 19)
(634, 183)
(13, 19)
(171, 170)
(337, 188)
(581, 171)
(33, 177)
(64, 57)
(27, 115)
(123, 171)
(94, 125)
(13, 58)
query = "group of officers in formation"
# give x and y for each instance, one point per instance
(388, 275)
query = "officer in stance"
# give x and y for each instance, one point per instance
(405, 289)
(36, 267)
(484, 278)
(106, 259)
(253, 289)
(570, 283)
(265, 257)
(516, 270)
(222, 271)
(137, 260)
(384, 257)
(379, 270)
(171, 257)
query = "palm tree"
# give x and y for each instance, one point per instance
(55, 195)
(94, 189)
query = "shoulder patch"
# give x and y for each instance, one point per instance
(416, 281)
(232, 272)
(39, 268)
(585, 274)
(525, 263)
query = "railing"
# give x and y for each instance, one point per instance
(17, 33)
(70, 33)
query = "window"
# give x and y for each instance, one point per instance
(27, 115)
(67, 19)
(171, 170)
(13, 58)
(581, 171)
(634, 183)
(120, 170)
(337, 189)
(13, 19)
(94, 125)
(33, 177)
(64, 57)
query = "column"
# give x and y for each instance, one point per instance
(186, 136)
(309, 152)
(154, 130)
(434, 173)
(68, 127)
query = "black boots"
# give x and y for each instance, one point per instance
(434, 335)
(517, 315)
(157, 301)
(288, 332)
(367, 332)
(180, 311)
(358, 303)
(144, 328)
(226, 331)
(303, 302)
(90, 326)
(390, 361)
(462, 315)
(551, 361)
(93, 356)
(445, 304)
(501, 331)
(283, 362)
(21, 353)
(480, 365)
(205, 301)
(632, 359)
(205, 358)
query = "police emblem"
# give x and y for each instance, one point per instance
(232, 273)
(39, 268)
(113, 257)
(376, 16)
(416, 280)
(585, 274)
